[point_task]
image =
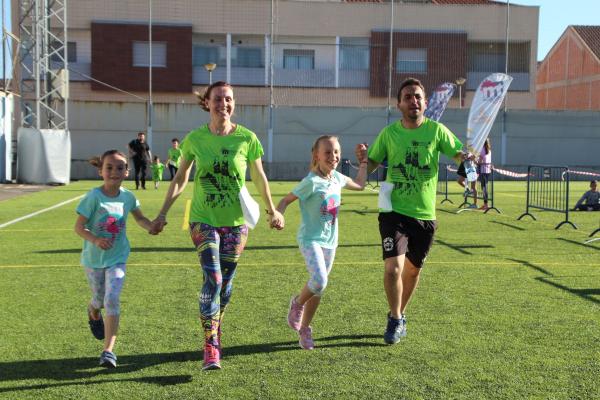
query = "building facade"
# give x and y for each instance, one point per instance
(569, 76)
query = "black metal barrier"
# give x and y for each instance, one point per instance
(442, 183)
(548, 190)
(346, 164)
(484, 188)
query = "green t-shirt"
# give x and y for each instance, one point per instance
(413, 162)
(174, 156)
(157, 171)
(221, 163)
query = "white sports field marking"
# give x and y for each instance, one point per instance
(476, 263)
(14, 221)
(186, 216)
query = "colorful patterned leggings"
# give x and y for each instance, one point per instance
(319, 262)
(219, 250)
(106, 285)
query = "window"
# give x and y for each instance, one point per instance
(206, 54)
(411, 60)
(141, 54)
(71, 52)
(247, 57)
(298, 59)
(354, 53)
(491, 57)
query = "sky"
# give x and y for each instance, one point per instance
(556, 15)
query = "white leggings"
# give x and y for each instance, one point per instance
(106, 285)
(319, 262)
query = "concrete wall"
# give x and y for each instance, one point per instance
(533, 137)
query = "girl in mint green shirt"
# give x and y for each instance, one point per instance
(320, 198)
(102, 215)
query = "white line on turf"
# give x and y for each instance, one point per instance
(14, 221)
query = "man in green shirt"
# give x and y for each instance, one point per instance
(407, 197)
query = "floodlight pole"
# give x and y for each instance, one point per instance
(150, 105)
(504, 138)
(271, 69)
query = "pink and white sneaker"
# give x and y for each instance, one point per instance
(306, 340)
(295, 314)
(211, 357)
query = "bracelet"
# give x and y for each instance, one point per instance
(162, 216)
(364, 162)
(269, 212)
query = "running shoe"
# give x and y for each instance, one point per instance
(306, 340)
(108, 359)
(96, 326)
(395, 330)
(295, 314)
(211, 357)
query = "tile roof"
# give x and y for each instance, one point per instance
(474, 2)
(590, 34)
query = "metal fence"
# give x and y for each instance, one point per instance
(548, 190)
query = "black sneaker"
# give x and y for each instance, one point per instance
(395, 330)
(96, 326)
(108, 359)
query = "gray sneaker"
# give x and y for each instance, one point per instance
(108, 359)
(395, 330)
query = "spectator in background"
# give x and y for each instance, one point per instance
(139, 152)
(590, 201)
(485, 169)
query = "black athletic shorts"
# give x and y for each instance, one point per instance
(401, 234)
(461, 170)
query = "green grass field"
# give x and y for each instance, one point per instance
(505, 309)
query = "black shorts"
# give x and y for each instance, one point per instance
(461, 170)
(401, 234)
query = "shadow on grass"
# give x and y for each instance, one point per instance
(73, 370)
(344, 341)
(585, 294)
(587, 246)
(165, 380)
(509, 225)
(192, 250)
(461, 247)
(530, 265)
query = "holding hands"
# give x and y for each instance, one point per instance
(275, 220)
(158, 224)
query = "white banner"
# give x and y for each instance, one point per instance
(439, 100)
(486, 103)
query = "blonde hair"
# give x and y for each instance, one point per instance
(98, 161)
(315, 149)
(203, 97)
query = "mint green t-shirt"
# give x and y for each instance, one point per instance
(320, 201)
(413, 162)
(221, 163)
(174, 156)
(106, 217)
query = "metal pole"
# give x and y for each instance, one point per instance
(390, 56)
(504, 136)
(150, 106)
(271, 101)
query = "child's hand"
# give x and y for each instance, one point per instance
(158, 225)
(361, 152)
(102, 243)
(276, 220)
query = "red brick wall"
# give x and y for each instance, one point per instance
(446, 59)
(112, 57)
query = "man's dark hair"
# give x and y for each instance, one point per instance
(410, 82)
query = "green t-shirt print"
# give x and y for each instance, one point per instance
(221, 163)
(413, 162)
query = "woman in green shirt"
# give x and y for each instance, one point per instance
(221, 151)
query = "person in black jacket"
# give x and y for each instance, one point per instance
(139, 152)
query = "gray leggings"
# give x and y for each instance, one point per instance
(106, 285)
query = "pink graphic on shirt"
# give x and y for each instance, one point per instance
(113, 226)
(330, 208)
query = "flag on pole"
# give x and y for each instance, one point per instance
(439, 100)
(486, 103)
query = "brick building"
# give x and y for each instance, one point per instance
(569, 76)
